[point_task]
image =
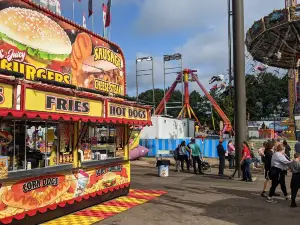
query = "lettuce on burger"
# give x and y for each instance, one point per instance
(28, 30)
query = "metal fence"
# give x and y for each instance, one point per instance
(208, 146)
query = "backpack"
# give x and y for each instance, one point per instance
(176, 153)
(252, 154)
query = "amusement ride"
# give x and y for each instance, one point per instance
(274, 41)
(187, 76)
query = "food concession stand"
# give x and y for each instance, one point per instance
(65, 122)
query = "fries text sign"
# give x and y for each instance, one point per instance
(49, 102)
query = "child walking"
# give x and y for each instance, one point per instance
(295, 182)
(176, 158)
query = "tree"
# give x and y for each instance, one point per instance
(265, 93)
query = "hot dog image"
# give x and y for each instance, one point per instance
(90, 62)
(35, 193)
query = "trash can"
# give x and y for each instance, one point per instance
(163, 167)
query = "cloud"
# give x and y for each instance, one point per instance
(157, 16)
(207, 46)
(172, 15)
(145, 81)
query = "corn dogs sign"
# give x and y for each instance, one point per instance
(50, 48)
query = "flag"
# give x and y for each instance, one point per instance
(58, 8)
(90, 7)
(104, 10)
(83, 20)
(108, 15)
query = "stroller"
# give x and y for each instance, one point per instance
(205, 166)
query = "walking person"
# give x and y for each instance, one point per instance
(221, 154)
(177, 158)
(295, 182)
(183, 157)
(231, 154)
(255, 160)
(297, 145)
(266, 159)
(287, 149)
(246, 162)
(279, 165)
(196, 155)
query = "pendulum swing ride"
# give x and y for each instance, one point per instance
(187, 111)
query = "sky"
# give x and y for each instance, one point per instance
(195, 28)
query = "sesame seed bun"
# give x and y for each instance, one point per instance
(90, 65)
(33, 29)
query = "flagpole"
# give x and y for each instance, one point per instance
(93, 22)
(110, 21)
(73, 11)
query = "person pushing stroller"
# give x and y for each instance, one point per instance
(196, 155)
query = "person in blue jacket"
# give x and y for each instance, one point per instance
(221, 153)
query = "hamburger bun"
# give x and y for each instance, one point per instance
(36, 33)
(90, 65)
(34, 30)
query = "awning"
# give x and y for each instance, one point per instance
(128, 121)
(70, 117)
(48, 116)
(54, 206)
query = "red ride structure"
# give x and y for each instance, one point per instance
(187, 111)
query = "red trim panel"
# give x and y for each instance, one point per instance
(21, 216)
(69, 117)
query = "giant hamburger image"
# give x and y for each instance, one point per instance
(29, 31)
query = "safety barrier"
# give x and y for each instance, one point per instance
(208, 146)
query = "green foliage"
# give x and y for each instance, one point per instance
(264, 92)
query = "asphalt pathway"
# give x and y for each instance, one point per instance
(209, 199)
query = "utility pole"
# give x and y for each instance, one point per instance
(239, 78)
(229, 47)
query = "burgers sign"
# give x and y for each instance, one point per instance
(40, 45)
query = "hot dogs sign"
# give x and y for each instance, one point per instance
(39, 45)
(38, 192)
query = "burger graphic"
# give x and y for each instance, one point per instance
(39, 37)
(109, 180)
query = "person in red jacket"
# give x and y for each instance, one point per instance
(246, 162)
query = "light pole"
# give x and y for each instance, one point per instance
(168, 58)
(229, 47)
(145, 72)
(239, 77)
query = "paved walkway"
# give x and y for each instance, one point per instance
(194, 199)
